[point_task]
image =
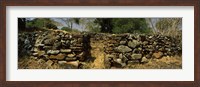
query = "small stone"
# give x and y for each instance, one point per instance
(144, 60)
(49, 62)
(136, 56)
(53, 51)
(118, 61)
(65, 50)
(110, 56)
(157, 55)
(41, 53)
(35, 54)
(122, 42)
(62, 62)
(70, 59)
(71, 55)
(75, 64)
(120, 56)
(123, 49)
(58, 57)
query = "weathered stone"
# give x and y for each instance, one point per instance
(58, 57)
(41, 53)
(70, 59)
(144, 60)
(133, 43)
(53, 52)
(157, 55)
(122, 42)
(148, 56)
(110, 56)
(49, 63)
(71, 55)
(62, 62)
(65, 50)
(74, 65)
(123, 49)
(120, 55)
(136, 56)
(35, 54)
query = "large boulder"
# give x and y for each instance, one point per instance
(123, 49)
(133, 43)
(136, 56)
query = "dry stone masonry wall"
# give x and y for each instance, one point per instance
(119, 49)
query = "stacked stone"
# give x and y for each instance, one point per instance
(26, 42)
(123, 49)
(59, 47)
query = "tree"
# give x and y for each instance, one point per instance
(106, 24)
(41, 23)
(129, 25)
(169, 26)
(122, 25)
(71, 21)
(21, 23)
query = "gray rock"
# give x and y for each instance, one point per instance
(123, 49)
(35, 54)
(133, 43)
(120, 55)
(144, 60)
(65, 50)
(53, 52)
(62, 62)
(136, 56)
(122, 42)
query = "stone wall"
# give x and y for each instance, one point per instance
(119, 49)
(124, 49)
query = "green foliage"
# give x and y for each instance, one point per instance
(66, 29)
(41, 23)
(69, 29)
(129, 25)
(122, 25)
